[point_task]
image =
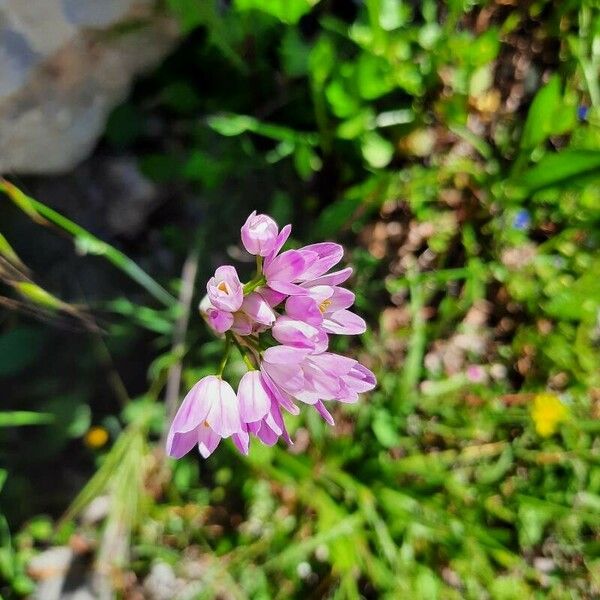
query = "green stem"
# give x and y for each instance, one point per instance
(245, 356)
(408, 384)
(225, 354)
(254, 284)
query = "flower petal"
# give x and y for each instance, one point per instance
(241, 441)
(334, 278)
(341, 298)
(179, 444)
(324, 413)
(360, 379)
(225, 289)
(284, 234)
(258, 309)
(278, 395)
(344, 322)
(328, 253)
(208, 441)
(253, 400)
(223, 416)
(286, 288)
(272, 297)
(299, 334)
(284, 355)
(287, 266)
(304, 308)
(193, 409)
(242, 323)
(220, 320)
(266, 435)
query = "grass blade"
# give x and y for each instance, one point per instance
(85, 241)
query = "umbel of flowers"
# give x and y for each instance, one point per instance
(281, 322)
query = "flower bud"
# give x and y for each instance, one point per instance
(259, 234)
(225, 290)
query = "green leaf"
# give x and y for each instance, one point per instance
(39, 296)
(548, 115)
(19, 418)
(373, 77)
(385, 430)
(230, 124)
(44, 215)
(9, 254)
(189, 13)
(294, 53)
(286, 11)
(24, 202)
(580, 299)
(376, 150)
(306, 161)
(559, 169)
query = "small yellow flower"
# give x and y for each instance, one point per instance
(547, 412)
(96, 437)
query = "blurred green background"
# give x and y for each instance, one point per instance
(454, 149)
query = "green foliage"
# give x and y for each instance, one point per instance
(441, 143)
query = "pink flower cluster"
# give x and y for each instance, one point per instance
(294, 301)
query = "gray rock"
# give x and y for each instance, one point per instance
(95, 13)
(63, 575)
(64, 64)
(162, 583)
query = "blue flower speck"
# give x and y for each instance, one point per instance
(522, 220)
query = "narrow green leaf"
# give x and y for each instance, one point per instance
(558, 169)
(84, 240)
(38, 295)
(23, 417)
(9, 254)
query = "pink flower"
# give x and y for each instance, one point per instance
(255, 315)
(253, 399)
(271, 427)
(312, 377)
(283, 270)
(328, 255)
(299, 370)
(259, 410)
(300, 334)
(219, 321)
(259, 234)
(208, 413)
(225, 290)
(325, 307)
(258, 309)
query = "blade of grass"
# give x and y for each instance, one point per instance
(85, 241)
(406, 394)
(19, 418)
(10, 255)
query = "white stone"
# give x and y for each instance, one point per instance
(62, 70)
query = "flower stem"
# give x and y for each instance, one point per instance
(245, 355)
(255, 283)
(225, 354)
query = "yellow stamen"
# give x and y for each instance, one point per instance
(206, 424)
(223, 287)
(324, 305)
